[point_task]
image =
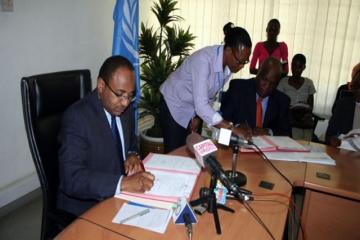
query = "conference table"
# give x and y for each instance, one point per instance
(331, 203)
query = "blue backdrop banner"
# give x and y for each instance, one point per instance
(126, 38)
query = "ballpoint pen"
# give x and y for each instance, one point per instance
(141, 213)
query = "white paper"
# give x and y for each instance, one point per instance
(352, 133)
(286, 143)
(156, 220)
(168, 184)
(170, 162)
(262, 143)
(351, 140)
(277, 143)
(310, 157)
(352, 144)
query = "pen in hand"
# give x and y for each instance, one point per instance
(139, 214)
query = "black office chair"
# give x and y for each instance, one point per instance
(316, 118)
(301, 117)
(45, 97)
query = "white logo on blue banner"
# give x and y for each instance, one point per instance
(129, 26)
(126, 40)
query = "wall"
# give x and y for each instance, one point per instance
(42, 36)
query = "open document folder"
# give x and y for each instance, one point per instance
(175, 177)
(309, 157)
(153, 219)
(274, 143)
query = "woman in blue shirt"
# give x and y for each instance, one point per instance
(189, 92)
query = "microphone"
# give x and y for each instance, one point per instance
(204, 151)
(225, 137)
(188, 225)
(200, 147)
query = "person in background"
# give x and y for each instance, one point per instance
(301, 92)
(271, 47)
(345, 89)
(257, 103)
(98, 146)
(346, 114)
(189, 92)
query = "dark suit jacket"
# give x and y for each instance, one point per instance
(343, 91)
(239, 106)
(342, 119)
(89, 164)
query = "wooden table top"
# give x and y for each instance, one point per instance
(238, 225)
(344, 181)
(344, 177)
(82, 229)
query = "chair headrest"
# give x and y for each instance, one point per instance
(54, 92)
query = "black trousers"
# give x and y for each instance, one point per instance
(173, 133)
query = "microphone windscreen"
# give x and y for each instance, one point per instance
(200, 147)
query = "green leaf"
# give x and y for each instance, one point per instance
(163, 11)
(162, 50)
(179, 41)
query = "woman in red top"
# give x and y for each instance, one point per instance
(270, 47)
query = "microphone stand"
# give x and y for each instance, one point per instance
(208, 197)
(236, 177)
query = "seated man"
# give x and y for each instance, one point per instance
(346, 114)
(256, 102)
(345, 89)
(98, 153)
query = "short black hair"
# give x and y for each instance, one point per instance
(235, 36)
(269, 63)
(299, 57)
(274, 20)
(111, 64)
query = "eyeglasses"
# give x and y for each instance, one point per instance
(238, 61)
(120, 96)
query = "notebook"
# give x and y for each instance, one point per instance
(175, 177)
(275, 144)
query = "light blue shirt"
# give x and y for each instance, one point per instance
(192, 88)
(121, 133)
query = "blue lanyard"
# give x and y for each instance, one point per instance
(219, 80)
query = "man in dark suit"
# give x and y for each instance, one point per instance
(98, 153)
(346, 114)
(256, 103)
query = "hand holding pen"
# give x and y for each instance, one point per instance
(243, 131)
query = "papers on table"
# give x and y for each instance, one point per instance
(175, 163)
(168, 185)
(275, 143)
(175, 177)
(350, 144)
(310, 157)
(154, 220)
(287, 149)
(351, 140)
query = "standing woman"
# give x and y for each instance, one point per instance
(189, 92)
(271, 47)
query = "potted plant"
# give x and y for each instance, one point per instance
(162, 50)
